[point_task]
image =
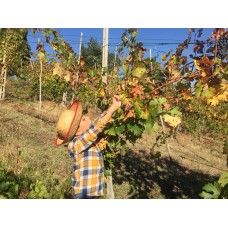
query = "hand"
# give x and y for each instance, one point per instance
(116, 102)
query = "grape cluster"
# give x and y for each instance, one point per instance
(223, 46)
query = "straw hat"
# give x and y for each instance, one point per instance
(68, 123)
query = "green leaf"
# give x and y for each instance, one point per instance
(111, 131)
(105, 70)
(151, 127)
(154, 111)
(4, 186)
(107, 173)
(153, 102)
(199, 88)
(13, 189)
(209, 93)
(162, 100)
(135, 129)
(137, 107)
(92, 73)
(120, 129)
(175, 111)
(212, 191)
(138, 70)
(2, 173)
(225, 77)
(68, 181)
(41, 55)
(125, 68)
(217, 70)
(223, 180)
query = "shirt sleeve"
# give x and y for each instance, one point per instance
(88, 137)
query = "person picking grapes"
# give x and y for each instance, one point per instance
(83, 136)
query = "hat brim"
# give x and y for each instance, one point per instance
(76, 107)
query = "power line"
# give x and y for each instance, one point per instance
(144, 44)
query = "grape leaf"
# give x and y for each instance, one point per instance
(137, 107)
(153, 102)
(120, 129)
(212, 191)
(162, 100)
(209, 93)
(199, 88)
(151, 127)
(172, 121)
(154, 111)
(175, 111)
(144, 115)
(4, 186)
(223, 180)
(110, 131)
(135, 129)
(125, 67)
(138, 70)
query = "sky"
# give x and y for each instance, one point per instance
(159, 40)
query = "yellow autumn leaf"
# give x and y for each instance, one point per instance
(172, 121)
(197, 65)
(213, 101)
(102, 92)
(67, 78)
(187, 94)
(138, 70)
(216, 99)
(57, 70)
(102, 144)
(204, 65)
(144, 115)
(133, 82)
(54, 47)
(222, 95)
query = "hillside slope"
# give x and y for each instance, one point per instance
(27, 146)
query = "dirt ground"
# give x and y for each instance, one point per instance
(141, 173)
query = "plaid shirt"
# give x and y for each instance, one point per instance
(88, 168)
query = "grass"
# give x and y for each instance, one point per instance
(27, 150)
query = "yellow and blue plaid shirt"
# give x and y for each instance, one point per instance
(88, 168)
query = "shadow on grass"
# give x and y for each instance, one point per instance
(151, 176)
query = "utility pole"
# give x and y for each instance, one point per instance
(115, 57)
(77, 73)
(80, 48)
(104, 54)
(151, 66)
(110, 191)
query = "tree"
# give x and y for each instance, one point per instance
(14, 43)
(92, 55)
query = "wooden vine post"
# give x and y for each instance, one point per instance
(3, 76)
(41, 70)
(166, 140)
(110, 191)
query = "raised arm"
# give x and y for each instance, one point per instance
(88, 137)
